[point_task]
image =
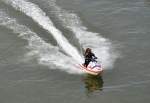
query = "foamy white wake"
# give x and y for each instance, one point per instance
(101, 46)
(32, 10)
(46, 54)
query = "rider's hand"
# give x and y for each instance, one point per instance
(95, 57)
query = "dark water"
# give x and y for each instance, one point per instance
(36, 67)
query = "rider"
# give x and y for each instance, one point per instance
(89, 56)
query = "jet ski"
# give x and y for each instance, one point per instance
(94, 68)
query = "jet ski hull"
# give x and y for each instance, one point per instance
(95, 70)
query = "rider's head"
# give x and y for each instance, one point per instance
(88, 50)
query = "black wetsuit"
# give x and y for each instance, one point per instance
(88, 58)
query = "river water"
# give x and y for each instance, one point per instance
(42, 41)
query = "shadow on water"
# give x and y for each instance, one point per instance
(93, 83)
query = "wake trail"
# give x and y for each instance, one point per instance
(45, 53)
(101, 46)
(32, 10)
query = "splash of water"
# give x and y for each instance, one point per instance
(46, 53)
(32, 10)
(102, 47)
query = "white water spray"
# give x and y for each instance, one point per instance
(40, 17)
(101, 46)
(45, 53)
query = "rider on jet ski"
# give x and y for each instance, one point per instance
(89, 56)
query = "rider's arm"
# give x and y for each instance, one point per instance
(93, 55)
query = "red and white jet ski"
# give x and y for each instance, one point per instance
(93, 68)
